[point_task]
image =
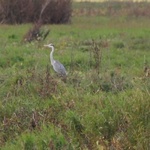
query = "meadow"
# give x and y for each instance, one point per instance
(104, 103)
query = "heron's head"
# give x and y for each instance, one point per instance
(49, 45)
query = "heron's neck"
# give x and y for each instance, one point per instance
(51, 55)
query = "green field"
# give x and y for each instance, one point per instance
(103, 104)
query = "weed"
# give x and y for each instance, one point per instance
(97, 54)
(36, 33)
(48, 85)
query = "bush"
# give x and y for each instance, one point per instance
(58, 11)
(26, 11)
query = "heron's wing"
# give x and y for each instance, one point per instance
(59, 68)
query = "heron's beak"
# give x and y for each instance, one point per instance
(46, 45)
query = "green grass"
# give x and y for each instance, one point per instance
(88, 111)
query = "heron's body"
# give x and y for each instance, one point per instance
(57, 66)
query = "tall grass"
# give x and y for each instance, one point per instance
(104, 103)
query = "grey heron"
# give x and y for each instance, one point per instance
(57, 66)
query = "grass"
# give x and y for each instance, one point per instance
(104, 102)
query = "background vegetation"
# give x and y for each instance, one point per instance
(125, 9)
(104, 102)
(31, 11)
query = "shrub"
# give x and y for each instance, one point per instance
(58, 11)
(25, 11)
